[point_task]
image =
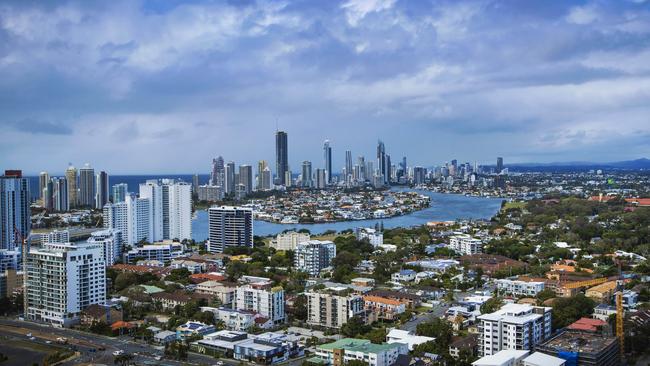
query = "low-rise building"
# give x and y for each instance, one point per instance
(97, 313)
(224, 291)
(602, 293)
(289, 240)
(384, 308)
(406, 337)
(265, 348)
(192, 329)
(164, 337)
(238, 320)
(603, 312)
(164, 252)
(583, 348)
(190, 265)
(260, 296)
(520, 288)
(347, 349)
(404, 275)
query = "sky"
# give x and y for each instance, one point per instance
(164, 86)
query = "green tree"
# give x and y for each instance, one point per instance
(493, 304)
(354, 327)
(567, 310)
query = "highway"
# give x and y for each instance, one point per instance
(97, 349)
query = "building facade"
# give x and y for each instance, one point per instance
(63, 280)
(111, 241)
(229, 227)
(313, 256)
(331, 310)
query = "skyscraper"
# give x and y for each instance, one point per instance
(15, 215)
(306, 174)
(382, 168)
(261, 166)
(327, 155)
(43, 178)
(132, 217)
(86, 196)
(499, 164)
(281, 156)
(230, 180)
(229, 227)
(171, 208)
(266, 178)
(60, 200)
(321, 178)
(246, 177)
(101, 189)
(348, 165)
(71, 180)
(218, 174)
(119, 192)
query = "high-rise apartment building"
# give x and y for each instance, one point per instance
(499, 165)
(231, 181)
(101, 190)
(62, 280)
(132, 217)
(111, 241)
(119, 192)
(261, 297)
(266, 179)
(306, 174)
(218, 173)
(327, 159)
(314, 255)
(86, 197)
(321, 178)
(246, 177)
(349, 173)
(229, 227)
(514, 326)
(60, 200)
(15, 215)
(171, 208)
(331, 310)
(262, 167)
(281, 156)
(43, 179)
(73, 190)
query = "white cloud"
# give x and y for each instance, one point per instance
(356, 10)
(582, 15)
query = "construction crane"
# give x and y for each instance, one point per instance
(23, 259)
(619, 312)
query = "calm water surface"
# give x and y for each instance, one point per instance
(443, 207)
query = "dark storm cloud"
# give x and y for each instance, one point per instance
(140, 81)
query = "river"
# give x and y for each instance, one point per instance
(443, 207)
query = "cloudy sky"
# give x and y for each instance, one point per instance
(163, 86)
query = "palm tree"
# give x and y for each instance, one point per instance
(123, 359)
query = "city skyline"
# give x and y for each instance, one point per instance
(435, 81)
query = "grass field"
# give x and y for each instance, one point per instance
(24, 352)
(514, 204)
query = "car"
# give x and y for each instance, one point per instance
(48, 341)
(219, 363)
(32, 338)
(118, 352)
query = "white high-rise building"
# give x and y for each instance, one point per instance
(259, 296)
(132, 217)
(464, 244)
(62, 280)
(111, 241)
(376, 238)
(171, 208)
(514, 326)
(56, 236)
(313, 256)
(289, 240)
(229, 226)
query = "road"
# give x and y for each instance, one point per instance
(97, 349)
(436, 312)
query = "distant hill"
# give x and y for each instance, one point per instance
(638, 164)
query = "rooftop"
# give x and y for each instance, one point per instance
(358, 345)
(575, 341)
